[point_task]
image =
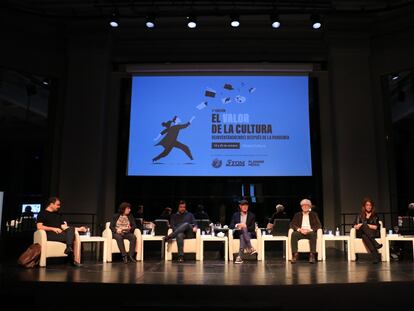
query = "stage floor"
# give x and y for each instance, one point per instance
(272, 284)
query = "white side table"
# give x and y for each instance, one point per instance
(209, 238)
(331, 237)
(148, 237)
(394, 237)
(269, 237)
(93, 239)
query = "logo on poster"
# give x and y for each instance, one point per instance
(216, 163)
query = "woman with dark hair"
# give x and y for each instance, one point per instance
(123, 226)
(367, 228)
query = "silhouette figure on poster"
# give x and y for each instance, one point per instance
(170, 139)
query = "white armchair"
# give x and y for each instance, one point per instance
(304, 245)
(190, 246)
(234, 244)
(358, 246)
(113, 246)
(51, 248)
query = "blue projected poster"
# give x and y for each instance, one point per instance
(219, 126)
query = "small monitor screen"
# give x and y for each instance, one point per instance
(35, 208)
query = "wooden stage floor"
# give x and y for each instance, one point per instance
(273, 284)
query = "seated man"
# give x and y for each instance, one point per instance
(140, 221)
(166, 214)
(183, 226)
(27, 220)
(305, 225)
(278, 214)
(56, 227)
(244, 224)
(201, 213)
(123, 227)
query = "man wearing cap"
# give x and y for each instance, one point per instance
(244, 224)
(305, 225)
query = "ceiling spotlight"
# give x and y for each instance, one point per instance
(45, 81)
(275, 21)
(191, 21)
(234, 21)
(316, 21)
(114, 21)
(150, 23)
(394, 77)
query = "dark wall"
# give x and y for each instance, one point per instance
(30, 47)
(392, 52)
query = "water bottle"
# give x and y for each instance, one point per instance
(400, 221)
(337, 233)
(212, 229)
(88, 232)
(12, 224)
(17, 222)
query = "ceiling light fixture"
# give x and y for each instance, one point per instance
(191, 21)
(114, 21)
(150, 23)
(275, 21)
(234, 21)
(316, 21)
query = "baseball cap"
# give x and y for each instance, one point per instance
(244, 202)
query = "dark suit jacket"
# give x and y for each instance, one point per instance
(115, 219)
(250, 221)
(314, 221)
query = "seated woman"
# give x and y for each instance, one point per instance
(123, 226)
(367, 228)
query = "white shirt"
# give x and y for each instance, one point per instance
(243, 218)
(306, 222)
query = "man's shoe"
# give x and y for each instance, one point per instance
(166, 239)
(378, 245)
(238, 260)
(75, 264)
(125, 259)
(252, 251)
(376, 258)
(180, 258)
(131, 259)
(68, 250)
(295, 257)
(311, 258)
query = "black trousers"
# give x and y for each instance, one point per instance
(67, 236)
(368, 236)
(296, 236)
(183, 231)
(120, 241)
